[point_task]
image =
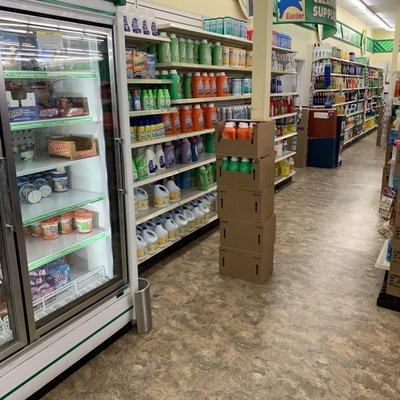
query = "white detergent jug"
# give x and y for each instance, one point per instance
(151, 160)
(138, 231)
(172, 228)
(150, 225)
(205, 210)
(160, 196)
(174, 191)
(141, 247)
(190, 218)
(199, 216)
(151, 239)
(162, 234)
(142, 199)
(182, 223)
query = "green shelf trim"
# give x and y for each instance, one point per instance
(67, 250)
(49, 74)
(46, 123)
(62, 210)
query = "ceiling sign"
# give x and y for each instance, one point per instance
(319, 12)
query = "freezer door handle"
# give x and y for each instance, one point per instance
(10, 227)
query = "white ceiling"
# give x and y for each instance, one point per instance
(386, 9)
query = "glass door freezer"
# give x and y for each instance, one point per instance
(63, 155)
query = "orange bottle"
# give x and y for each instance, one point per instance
(243, 131)
(197, 86)
(206, 84)
(175, 122)
(213, 84)
(210, 114)
(222, 85)
(168, 128)
(229, 131)
(251, 127)
(186, 119)
(198, 118)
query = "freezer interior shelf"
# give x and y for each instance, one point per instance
(46, 163)
(56, 204)
(83, 281)
(381, 262)
(42, 251)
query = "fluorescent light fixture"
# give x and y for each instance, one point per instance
(374, 16)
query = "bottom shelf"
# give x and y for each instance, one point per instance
(83, 281)
(359, 135)
(213, 217)
(381, 262)
(281, 179)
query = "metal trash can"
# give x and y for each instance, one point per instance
(143, 307)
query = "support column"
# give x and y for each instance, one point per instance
(395, 56)
(262, 52)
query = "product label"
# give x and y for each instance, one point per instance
(152, 168)
(174, 196)
(141, 252)
(145, 28)
(143, 205)
(152, 247)
(153, 28)
(135, 25)
(188, 122)
(161, 201)
(162, 162)
(192, 225)
(171, 235)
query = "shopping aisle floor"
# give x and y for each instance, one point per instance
(312, 332)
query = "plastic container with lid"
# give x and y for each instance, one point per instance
(205, 53)
(171, 227)
(29, 193)
(182, 51)
(234, 164)
(182, 223)
(151, 161)
(189, 51)
(198, 215)
(143, 199)
(174, 48)
(229, 131)
(43, 186)
(141, 247)
(36, 229)
(210, 116)
(187, 85)
(151, 240)
(50, 229)
(186, 119)
(197, 85)
(245, 166)
(161, 196)
(174, 191)
(84, 222)
(217, 54)
(205, 210)
(66, 223)
(213, 84)
(222, 85)
(206, 84)
(162, 234)
(175, 87)
(198, 118)
(225, 55)
(164, 50)
(243, 131)
(160, 157)
(190, 218)
(60, 180)
(186, 151)
(169, 153)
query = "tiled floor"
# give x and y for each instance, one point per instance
(312, 332)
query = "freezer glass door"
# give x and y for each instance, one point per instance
(59, 88)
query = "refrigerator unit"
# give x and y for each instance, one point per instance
(63, 239)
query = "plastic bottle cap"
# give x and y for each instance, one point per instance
(163, 34)
(211, 105)
(164, 72)
(243, 125)
(244, 159)
(173, 71)
(211, 74)
(204, 74)
(197, 74)
(189, 74)
(197, 106)
(172, 35)
(204, 41)
(182, 39)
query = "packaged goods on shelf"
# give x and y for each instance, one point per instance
(283, 62)
(72, 147)
(140, 22)
(281, 40)
(226, 26)
(149, 99)
(282, 105)
(234, 112)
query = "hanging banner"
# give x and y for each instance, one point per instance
(319, 12)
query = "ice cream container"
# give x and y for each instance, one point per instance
(29, 193)
(84, 222)
(60, 181)
(36, 229)
(66, 223)
(50, 229)
(43, 186)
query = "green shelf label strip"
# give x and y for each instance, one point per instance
(67, 250)
(46, 123)
(63, 210)
(49, 74)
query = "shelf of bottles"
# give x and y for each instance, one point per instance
(349, 84)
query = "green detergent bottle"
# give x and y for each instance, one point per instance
(182, 50)
(196, 49)
(187, 86)
(160, 99)
(203, 182)
(174, 48)
(175, 85)
(164, 50)
(189, 51)
(217, 54)
(245, 166)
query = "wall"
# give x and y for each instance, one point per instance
(382, 59)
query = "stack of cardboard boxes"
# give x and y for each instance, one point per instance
(393, 282)
(246, 205)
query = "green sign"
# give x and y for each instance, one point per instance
(318, 12)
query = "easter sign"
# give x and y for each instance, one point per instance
(318, 12)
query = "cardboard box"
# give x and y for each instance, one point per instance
(261, 144)
(24, 109)
(248, 236)
(246, 205)
(245, 265)
(301, 140)
(393, 282)
(261, 176)
(72, 147)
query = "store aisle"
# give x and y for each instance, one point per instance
(312, 332)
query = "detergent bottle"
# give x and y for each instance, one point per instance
(161, 196)
(162, 234)
(174, 191)
(151, 240)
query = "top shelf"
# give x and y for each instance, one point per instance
(283, 50)
(21, 74)
(134, 38)
(345, 61)
(197, 33)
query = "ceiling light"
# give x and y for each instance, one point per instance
(366, 10)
